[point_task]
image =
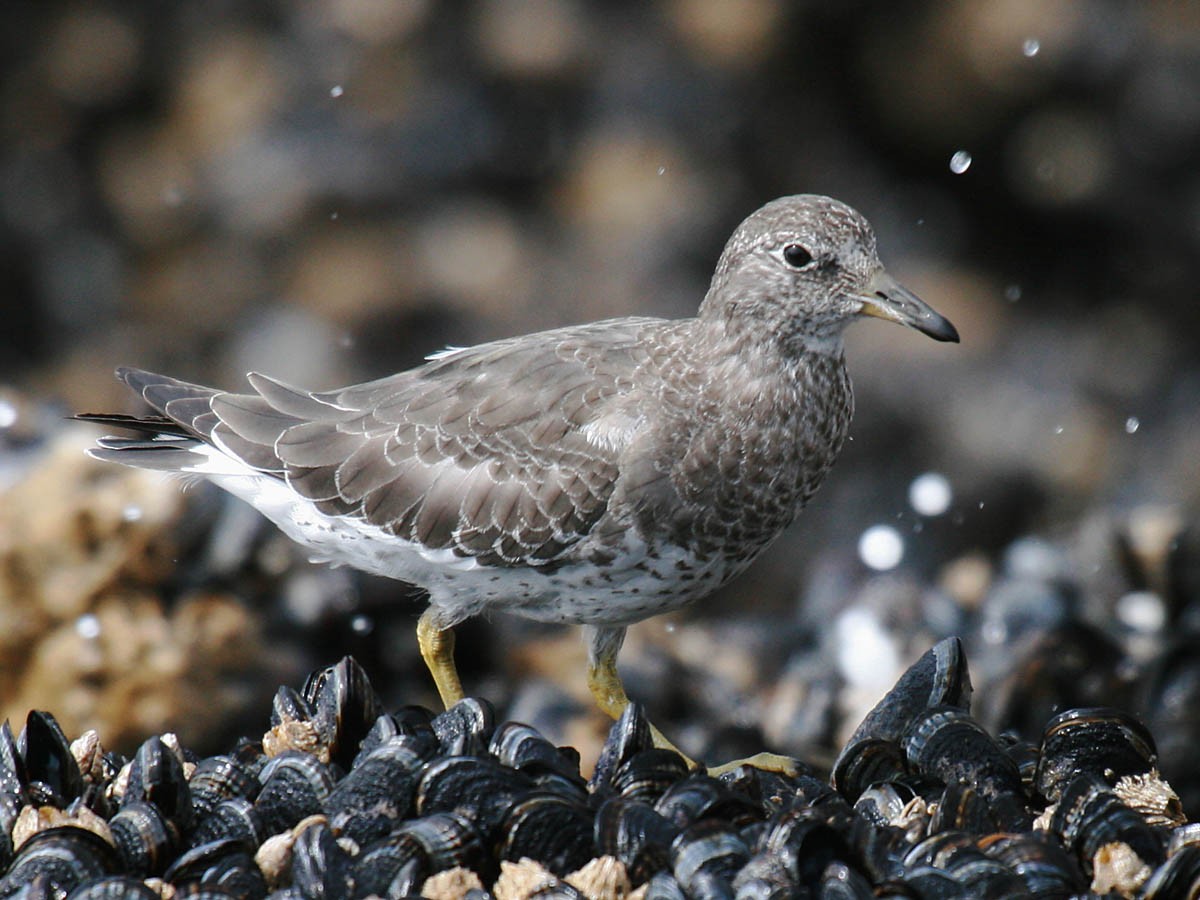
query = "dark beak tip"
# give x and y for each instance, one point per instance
(941, 329)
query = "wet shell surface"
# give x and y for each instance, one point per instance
(343, 799)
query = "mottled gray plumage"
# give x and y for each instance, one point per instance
(597, 474)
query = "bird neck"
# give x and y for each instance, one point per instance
(731, 336)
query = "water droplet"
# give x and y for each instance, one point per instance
(362, 624)
(669, 628)
(333, 216)
(1012, 293)
(336, 91)
(1031, 46)
(662, 170)
(8, 414)
(132, 513)
(1132, 424)
(87, 627)
(867, 655)
(930, 494)
(881, 548)
(1142, 611)
(960, 162)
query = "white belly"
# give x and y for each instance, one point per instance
(634, 586)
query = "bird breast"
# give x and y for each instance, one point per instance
(733, 467)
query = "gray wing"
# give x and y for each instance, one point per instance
(482, 451)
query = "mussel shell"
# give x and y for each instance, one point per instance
(554, 831)
(700, 796)
(51, 772)
(226, 865)
(881, 804)
(663, 886)
(1183, 836)
(573, 789)
(289, 705)
(840, 882)
(806, 842)
(12, 766)
(765, 876)
(771, 792)
(523, 748)
(344, 707)
(1044, 867)
(237, 819)
(114, 887)
(633, 832)
(477, 786)
(947, 744)
(706, 852)
(880, 850)
(982, 876)
(395, 867)
(145, 839)
(1101, 741)
(156, 776)
(647, 774)
(378, 792)
(412, 722)
(865, 762)
(64, 857)
(961, 808)
(294, 786)
(938, 678)
(629, 735)
(1025, 754)
(10, 807)
(926, 882)
(398, 865)
(1178, 877)
(1089, 815)
(943, 850)
(465, 728)
(219, 778)
(320, 867)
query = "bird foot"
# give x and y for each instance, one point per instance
(768, 762)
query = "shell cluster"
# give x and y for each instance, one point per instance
(342, 799)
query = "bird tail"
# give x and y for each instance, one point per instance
(172, 439)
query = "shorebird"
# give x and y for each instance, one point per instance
(597, 474)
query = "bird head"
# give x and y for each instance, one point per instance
(802, 267)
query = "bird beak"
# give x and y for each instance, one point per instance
(886, 298)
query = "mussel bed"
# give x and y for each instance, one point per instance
(342, 799)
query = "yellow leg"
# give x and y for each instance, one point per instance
(605, 684)
(437, 649)
(609, 693)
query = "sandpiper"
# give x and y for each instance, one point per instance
(595, 475)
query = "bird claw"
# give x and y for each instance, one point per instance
(768, 762)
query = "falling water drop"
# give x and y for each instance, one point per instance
(881, 547)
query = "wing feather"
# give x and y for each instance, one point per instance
(486, 450)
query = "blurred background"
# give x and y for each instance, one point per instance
(327, 190)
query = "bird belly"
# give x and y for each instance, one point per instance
(633, 584)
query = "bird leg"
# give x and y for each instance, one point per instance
(605, 684)
(437, 649)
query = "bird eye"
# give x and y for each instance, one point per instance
(797, 256)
